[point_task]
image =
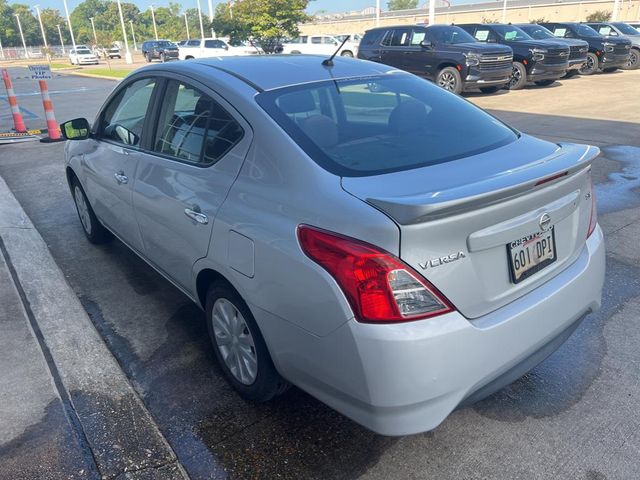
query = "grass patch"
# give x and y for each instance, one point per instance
(61, 66)
(106, 72)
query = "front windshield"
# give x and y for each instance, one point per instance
(537, 32)
(510, 33)
(625, 28)
(585, 30)
(374, 125)
(165, 44)
(84, 52)
(450, 35)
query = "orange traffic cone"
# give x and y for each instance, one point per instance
(18, 122)
(53, 131)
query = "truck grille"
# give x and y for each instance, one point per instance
(556, 56)
(495, 62)
(578, 52)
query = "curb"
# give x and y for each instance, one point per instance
(113, 421)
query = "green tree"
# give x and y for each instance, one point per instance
(402, 4)
(270, 21)
(226, 24)
(30, 27)
(599, 16)
(50, 18)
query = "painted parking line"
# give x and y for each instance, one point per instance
(27, 114)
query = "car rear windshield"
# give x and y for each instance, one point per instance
(450, 35)
(374, 125)
(626, 29)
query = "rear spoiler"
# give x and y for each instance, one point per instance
(564, 162)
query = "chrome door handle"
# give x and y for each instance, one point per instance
(195, 214)
(121, 177)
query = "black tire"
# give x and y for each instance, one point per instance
(545, 83)
(571, 73)
(267, 383)
(609, 70)
(518, 77)
(347, 53)
(490, 89)
(147, 57)
(634, 60)
(591, 66)
(188, 57)
(449, 79)
(91, 226)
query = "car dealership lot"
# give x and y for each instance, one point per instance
(575, 416)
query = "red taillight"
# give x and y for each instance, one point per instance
(378, 286)
(593, 217)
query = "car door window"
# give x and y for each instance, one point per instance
(193, 127)
(329, 41)
(417, 37)
(400, 37)
(123, 119)
(213, 44)
(316, 40)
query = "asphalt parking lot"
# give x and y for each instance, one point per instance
(574, 416)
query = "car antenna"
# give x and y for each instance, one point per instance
(328, 62)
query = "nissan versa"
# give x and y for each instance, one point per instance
(343, 230)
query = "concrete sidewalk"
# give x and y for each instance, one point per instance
(66, 408)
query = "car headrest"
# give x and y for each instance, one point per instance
(321, 129)
(297, 102)
(409, 116)
(203, 106)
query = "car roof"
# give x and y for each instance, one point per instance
(268, 72)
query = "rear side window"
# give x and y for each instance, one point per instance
(371, 38)
(213, 44)
(193, 127)
(123, 119)
(382, 124)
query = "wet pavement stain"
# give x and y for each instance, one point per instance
(52, 450)
(622, 190)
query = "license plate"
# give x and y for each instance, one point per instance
(530, 254)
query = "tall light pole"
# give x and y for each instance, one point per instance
(26, 54)
(504, 11)
(200, 18)
(153, 19)
(616, 7)
(93, 27)
(61, 41)
(432, 12)
(133, 35)
(66, 11)
(210, 10)
(377, 13)
(127, 53)
(44, 36)
(1, 50)
(186, 24)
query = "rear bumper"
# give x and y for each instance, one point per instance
(405, 379)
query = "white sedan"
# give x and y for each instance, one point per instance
(82, 56)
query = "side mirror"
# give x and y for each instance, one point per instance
(426, 44)
(76, 129)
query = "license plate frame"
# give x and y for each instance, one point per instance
(520, 244)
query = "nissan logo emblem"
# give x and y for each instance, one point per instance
(545, 222)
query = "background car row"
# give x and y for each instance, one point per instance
(492, 56)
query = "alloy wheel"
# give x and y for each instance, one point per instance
(589, 66)
(516, 75)
(633, 60)
(447, 81)
(83, 209)
(234, 341)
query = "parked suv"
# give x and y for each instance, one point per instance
(538, 61)
(444, 54)
(162, 50)
(606, 54)
(622, 30)
(319, 45)
(578, 48)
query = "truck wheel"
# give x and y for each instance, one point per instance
(449, 79)
(239, 346)
(347, 53)
(518, 76)
(490, 89)
(147, 57)
(591, 65)
(634, 60)
(544, 83)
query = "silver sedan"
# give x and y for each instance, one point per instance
(348, 228)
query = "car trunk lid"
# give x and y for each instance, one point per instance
(462, 221)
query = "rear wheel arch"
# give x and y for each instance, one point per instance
(71, 177)
(207, 277)
(446, 64)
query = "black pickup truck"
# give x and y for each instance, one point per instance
(606, 54)
(577, 48)
(538, 61)
(444, 54)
